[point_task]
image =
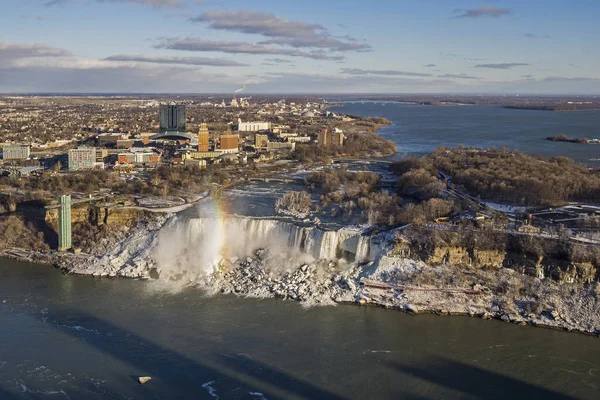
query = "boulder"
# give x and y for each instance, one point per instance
(485, 315)
(154, 273)
(411, 308)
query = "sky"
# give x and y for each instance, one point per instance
(308, 46)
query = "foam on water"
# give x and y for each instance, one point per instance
(211, 390)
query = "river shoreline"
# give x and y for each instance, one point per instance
(325, 282)
(322, 282)
(361, 302)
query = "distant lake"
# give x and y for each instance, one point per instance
(419, 129)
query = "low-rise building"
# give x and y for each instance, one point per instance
(194, 163)
(299, 139)
(15, 152)
(265, 157)
(280, 129)
(199, 155)
(260, 140)
(124, 143)
(274, 146)
(138, 158)
(229, 143)
(255, 126)
(101, 154)
(32, 170)
(106, 139)
(526, 228)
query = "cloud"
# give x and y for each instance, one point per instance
(39, 67)
(37, 18)
(103, 79)
(13, 51)
(385, 72)
(458, 76)
(501, 65)
(479, 12)
(150, 3)
(217, 62)
(534, 36)
(197, 44)
(280, 31)
(302, 82)
(278, 60)
(325, 42)
(570, 79)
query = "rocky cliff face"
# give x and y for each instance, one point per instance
(540, 267)
(97, 216)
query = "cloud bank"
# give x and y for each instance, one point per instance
(480, 12)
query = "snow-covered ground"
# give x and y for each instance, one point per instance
(409, 285)
(506, 208)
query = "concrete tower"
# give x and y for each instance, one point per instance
(64, 223)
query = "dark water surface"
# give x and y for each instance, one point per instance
(81, 338)
(421, 129)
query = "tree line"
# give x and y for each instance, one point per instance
(503, 176)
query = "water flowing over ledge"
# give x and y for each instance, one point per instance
(267, 257)
(202, 244)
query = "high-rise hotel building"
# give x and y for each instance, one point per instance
(172, 117)
(203, 137)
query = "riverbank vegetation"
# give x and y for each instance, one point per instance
(17, 231)
(503, 176)
(361, 144)
(162, 181)
(296, 203)
(347, 192)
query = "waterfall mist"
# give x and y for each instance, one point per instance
(192, 248)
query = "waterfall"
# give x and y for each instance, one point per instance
(200, 244)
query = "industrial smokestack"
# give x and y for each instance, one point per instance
(240, 89)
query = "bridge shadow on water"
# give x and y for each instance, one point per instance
(473, 382)
(174, 375)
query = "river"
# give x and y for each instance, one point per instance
(66, 337)
(419, 129)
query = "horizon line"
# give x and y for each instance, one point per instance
(245, 94)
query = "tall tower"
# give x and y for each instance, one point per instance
(64, 223)
(203, 137)
(172, 117)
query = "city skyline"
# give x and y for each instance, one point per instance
(193, 46)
